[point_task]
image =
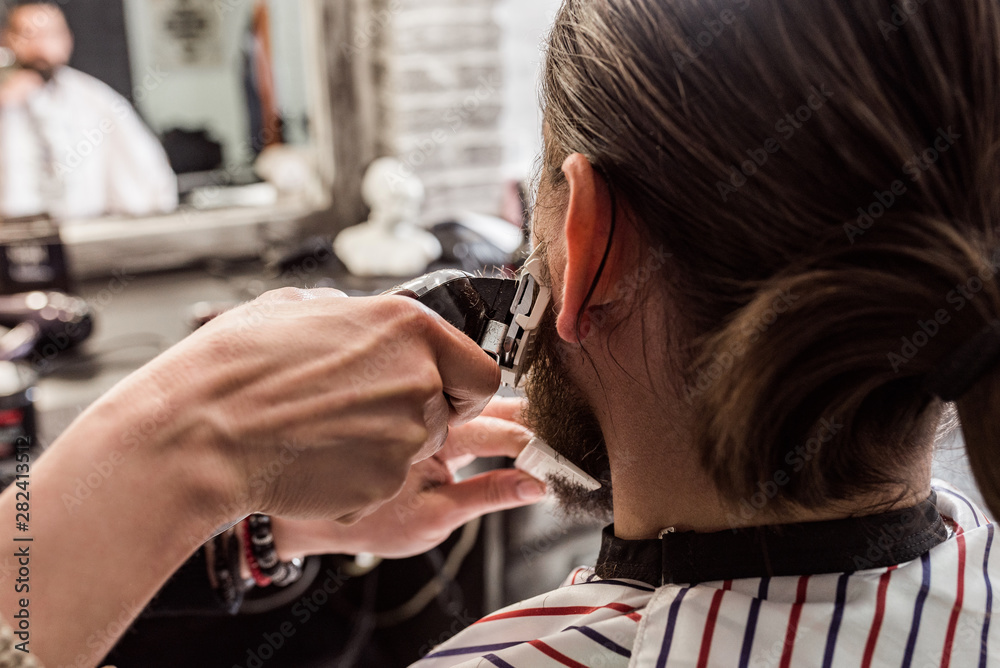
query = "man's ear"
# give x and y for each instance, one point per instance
(588, 227)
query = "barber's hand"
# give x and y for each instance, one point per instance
(320, 404)
(18, 86)
(431, 505)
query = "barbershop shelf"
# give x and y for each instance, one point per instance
(100, 247)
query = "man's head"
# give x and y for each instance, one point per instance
(38, 35)
(820, 179)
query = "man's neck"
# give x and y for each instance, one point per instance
(659, 483)
(657, 486)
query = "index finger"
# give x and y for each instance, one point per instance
(469, 376)
(484, 437)
(507, 408)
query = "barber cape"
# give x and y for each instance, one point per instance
(934, 609)
(77, 149)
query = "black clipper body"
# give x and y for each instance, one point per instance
(500, 314)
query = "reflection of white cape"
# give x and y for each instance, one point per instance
(77, 150)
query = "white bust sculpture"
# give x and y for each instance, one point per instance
(389, 243)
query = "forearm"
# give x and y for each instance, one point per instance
(259, 410)
(117, 503)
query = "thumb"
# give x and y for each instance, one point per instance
(487, 493)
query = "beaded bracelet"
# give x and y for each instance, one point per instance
(262, 556)
(222, 555)
(259, 578)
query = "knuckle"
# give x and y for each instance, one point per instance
(412, 437)
(428, 386)
(424, 383)
(326, 293)
(286, 294)
(414, 319)
(404, 310)
(493, 493)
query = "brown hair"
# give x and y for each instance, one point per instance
(826, 176)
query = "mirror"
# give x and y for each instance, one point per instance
(219, 82)
(231, 89)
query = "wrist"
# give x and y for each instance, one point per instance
(297, 539)
(160, 418)
(288, 538)
(137, 475)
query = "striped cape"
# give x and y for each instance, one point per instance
(932, 611)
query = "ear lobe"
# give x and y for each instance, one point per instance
(587, 232)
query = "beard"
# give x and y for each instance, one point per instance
(559, 414)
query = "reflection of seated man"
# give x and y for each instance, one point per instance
(69, 145)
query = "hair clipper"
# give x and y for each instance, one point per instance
(500, 314)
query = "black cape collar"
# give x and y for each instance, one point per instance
(810, 548)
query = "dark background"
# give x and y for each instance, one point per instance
(101, 47)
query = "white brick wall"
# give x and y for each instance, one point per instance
(441, 97)
(524, 24)
(457, 82)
